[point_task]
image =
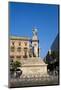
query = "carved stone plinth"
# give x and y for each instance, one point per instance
(34, 67)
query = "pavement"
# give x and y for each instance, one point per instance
(28, 82)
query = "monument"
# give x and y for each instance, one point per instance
(27, 52)
(35, 66)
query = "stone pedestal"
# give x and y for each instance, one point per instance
(33, 67)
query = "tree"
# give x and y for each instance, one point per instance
(14, 65)
(52, 60)
(17, 64)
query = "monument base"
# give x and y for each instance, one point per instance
(33, 67)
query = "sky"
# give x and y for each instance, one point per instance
(24, 16)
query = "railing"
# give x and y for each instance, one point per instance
(34, 78)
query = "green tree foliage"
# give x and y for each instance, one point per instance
(14, 65)
(52, 60)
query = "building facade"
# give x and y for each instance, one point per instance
(24, 47)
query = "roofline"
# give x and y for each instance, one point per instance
(19, 38)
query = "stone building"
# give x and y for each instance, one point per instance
(24, 47)
(19, 47)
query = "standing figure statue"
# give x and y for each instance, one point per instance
(35, 43)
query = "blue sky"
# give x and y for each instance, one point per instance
(23, 17)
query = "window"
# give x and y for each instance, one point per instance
(12, 43)
(12, 48)
(19, 43)
(19, 49)
(25, 49)
(11, 56)
(25, 53)
(25, 43)
(18, 57)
